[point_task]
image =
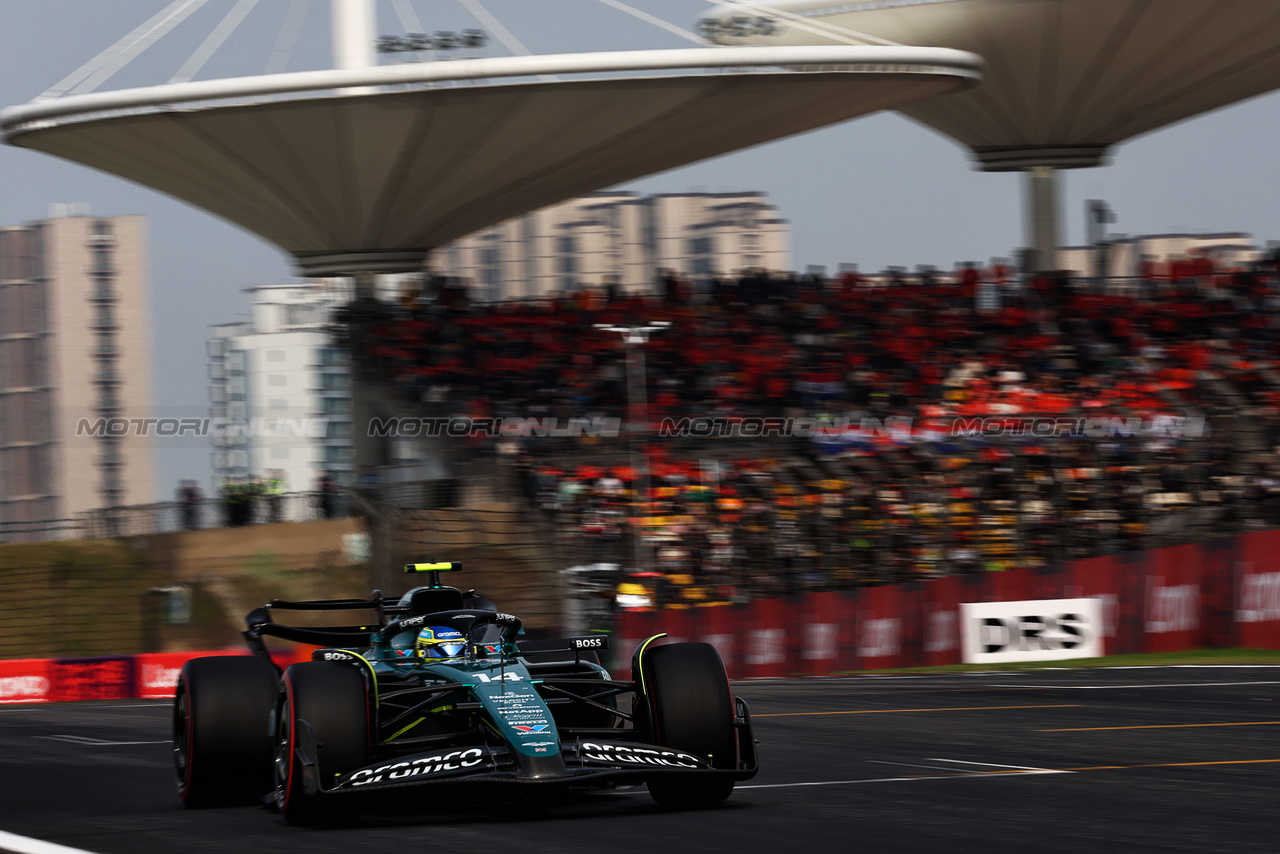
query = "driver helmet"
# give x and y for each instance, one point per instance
(440, 642)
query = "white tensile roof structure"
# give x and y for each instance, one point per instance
(365, 169)
(1066, 80)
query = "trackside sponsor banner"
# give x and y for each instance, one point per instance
(766, 646)
(156, 674)
(105, 678)
(24, 681)
(879, 638)
(1174, 606)
(820, 630)
(718, 627)
(1257, 604)
(1259, 598)
(1034, 630)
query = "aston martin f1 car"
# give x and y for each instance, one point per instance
(440, 695)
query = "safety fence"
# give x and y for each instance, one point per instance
(171, 516)
(1225, 593)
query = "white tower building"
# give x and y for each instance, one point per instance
(280, 391)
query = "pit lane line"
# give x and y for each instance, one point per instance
(27, 845)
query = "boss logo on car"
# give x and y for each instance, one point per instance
(455, 761)
(339, 656)
(618, 753)
(589, 643)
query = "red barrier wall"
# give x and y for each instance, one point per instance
(1222, 593)
(75, 679)
(25, 681)
(1257, 591)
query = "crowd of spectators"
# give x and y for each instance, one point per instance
(1176, 370)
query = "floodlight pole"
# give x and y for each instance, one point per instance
(634, 338)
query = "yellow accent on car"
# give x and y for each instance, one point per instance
(640, 657)
(373, 674)
(406, 729)
(439, 566)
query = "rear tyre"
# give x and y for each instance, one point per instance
(333, 700)
(222, 745)
(690, 707)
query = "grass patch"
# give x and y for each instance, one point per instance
(1152, 659)
(80, 598)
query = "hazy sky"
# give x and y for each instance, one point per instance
(878, 191)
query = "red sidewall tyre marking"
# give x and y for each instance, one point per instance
(293, 734)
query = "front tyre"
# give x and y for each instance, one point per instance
(222, 745)
(690, 708)
(333, 700)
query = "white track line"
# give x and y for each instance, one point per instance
(851, 782)
(1025, 768)
(973, 776)
(1015, 771)
(1140, 685)
(911, 765)
(27, 845)
(94, 742)
(1193, 666)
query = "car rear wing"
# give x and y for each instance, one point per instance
(261, 623)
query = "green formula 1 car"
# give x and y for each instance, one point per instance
(439, 692)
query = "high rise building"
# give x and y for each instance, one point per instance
(75, 366)
(625, 238)
(280, 391)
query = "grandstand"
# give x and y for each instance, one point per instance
(860, 430)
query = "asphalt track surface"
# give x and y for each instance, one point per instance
(1125, 760)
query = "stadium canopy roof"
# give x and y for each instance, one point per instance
(366, 169)
(1065, 80)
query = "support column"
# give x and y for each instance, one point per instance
(366, 404)
(1044, 215)
(355, 23)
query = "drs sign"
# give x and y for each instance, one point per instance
(1042, 630)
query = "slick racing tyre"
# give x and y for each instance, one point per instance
(222, 745)
(690, 708)
(332, 699)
